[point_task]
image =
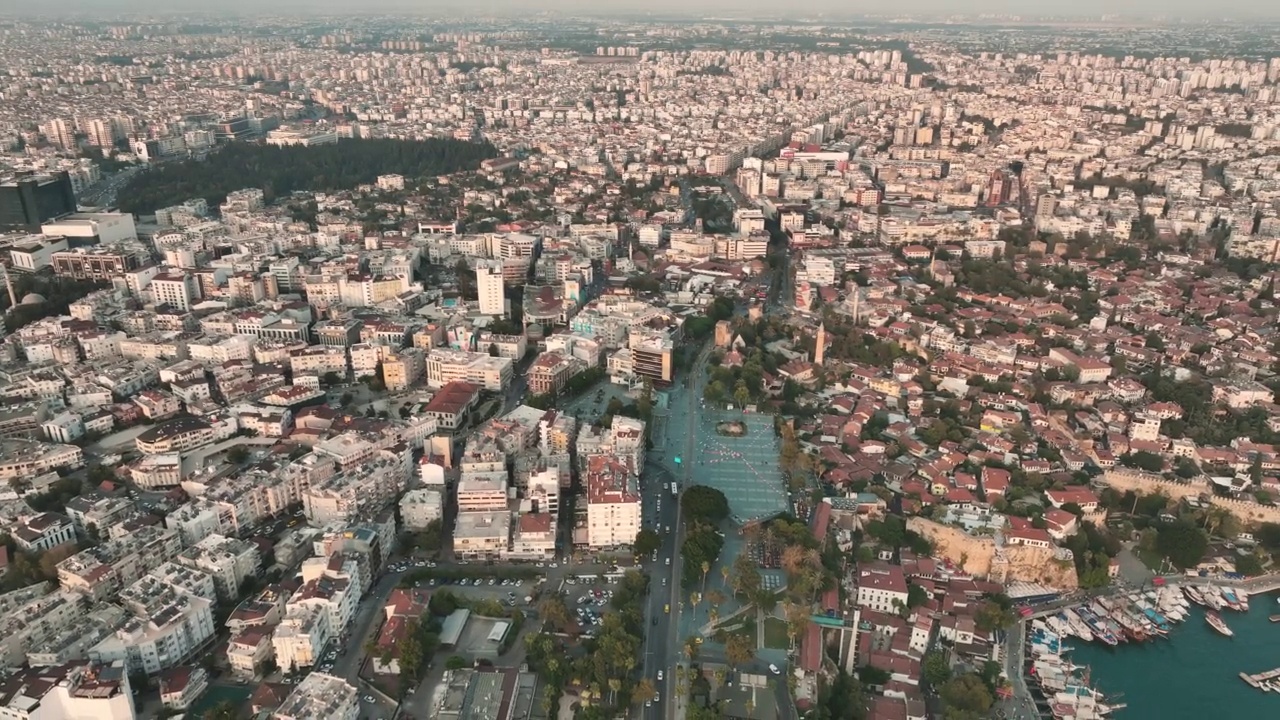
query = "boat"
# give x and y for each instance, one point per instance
(1274, 618)
(1078, 626)
(1098, 626)
(1193, 594)
(1215, 622)
(1232, 600)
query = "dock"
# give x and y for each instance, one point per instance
(1261, 680)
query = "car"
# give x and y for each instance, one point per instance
(432, 582)
(648, 703)
(668, 561)
(656, 696)
(555, 566)
(369, 699)
(541, 564)
(774, 669)
(659, 675)
(492, 581)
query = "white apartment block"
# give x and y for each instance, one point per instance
(490, 373)
(229, 561)
(320, 697)
(882, 588)
(65, 691)
(613, 503)
(482, 535)
(421, 506)
(301, 636)
(168, 628)
(490, 287)
(43, 532)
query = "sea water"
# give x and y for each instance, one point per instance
(1194, 672)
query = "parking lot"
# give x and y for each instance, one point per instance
(590, 406)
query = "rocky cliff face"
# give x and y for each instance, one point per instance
(980, 557)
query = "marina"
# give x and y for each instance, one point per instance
(1197, 672)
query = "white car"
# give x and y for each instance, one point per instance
(659, 675)
(369, 699)
(774, 669)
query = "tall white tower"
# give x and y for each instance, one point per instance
(489, 287)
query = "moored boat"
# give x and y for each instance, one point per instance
(1215, 622)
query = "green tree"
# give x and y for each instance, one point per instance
(701, 503)
(936, 671)
(224, 710)
(739, 649)
(966, 696)
(1183, 543)
(279, 171)
(647, 542)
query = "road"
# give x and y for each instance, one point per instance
(674, 437)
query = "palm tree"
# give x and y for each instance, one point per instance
(615, 684)
(691, 648)
(724, 575)
(750, 705)
(713, 614)
(706, 567)
(644, 691)
(718, 678)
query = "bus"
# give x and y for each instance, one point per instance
(674, 489)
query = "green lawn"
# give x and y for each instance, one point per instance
(775, 634)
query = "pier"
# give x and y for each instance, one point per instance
(1263, 680)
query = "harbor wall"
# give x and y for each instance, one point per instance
(1248, 513)
(981, 557)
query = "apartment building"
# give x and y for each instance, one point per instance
(76, 689)
(168, 628)
(229, 561)
(301, 636)
(43, 532)
(613, 503)
(490, 373)
(482, 535)
(490, 287)
(419, 507)
(881, 587)
(28, 458)
(320, 697)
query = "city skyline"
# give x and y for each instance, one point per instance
(1132, 10)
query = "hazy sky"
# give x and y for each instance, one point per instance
(808, 9)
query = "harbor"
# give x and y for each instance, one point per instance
(1079, 664)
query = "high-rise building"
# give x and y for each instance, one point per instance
(27, 202)
(60, 133)
(102, 132)
(174, 289)
(490, 288)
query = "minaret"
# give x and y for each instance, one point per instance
(821, 344)
(857, 302)
(933, 264)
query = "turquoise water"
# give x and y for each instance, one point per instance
(1194, 673)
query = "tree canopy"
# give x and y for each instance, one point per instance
(704, 504)
(280, 171)
(1182, 542)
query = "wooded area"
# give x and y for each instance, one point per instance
(280, 171)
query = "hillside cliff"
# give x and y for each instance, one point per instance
(980, 557)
